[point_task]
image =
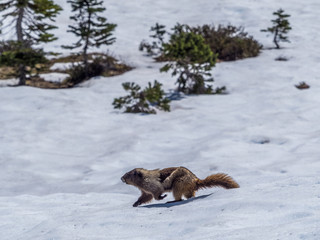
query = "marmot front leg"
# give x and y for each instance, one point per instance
(159, 196)
(157, 190)
(144, 198)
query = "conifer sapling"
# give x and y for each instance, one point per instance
(91, 28)
(192, 60)
(280, 28)
(156, 48)
(143, 101)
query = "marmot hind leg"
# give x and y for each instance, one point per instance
(177, 194)
(178, 173)
(190, 194)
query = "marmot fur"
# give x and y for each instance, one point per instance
(180, 180)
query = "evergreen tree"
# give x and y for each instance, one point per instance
(192, 60)
(143, 101)
(280, 28)
(155, 48)
(91, 29)
(29, 19)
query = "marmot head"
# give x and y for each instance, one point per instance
(133, 177)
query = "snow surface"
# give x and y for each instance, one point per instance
(9, 82)
(50, 77)
(54, 77)
(62, 66)
(63, 151)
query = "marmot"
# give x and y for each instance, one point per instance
(180, 180)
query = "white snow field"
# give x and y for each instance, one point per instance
(62, 152)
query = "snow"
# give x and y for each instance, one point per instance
(54, 77)
(8, 82)
(62, 66)
(63, 151)
(50, 77)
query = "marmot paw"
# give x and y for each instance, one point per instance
(162, 196)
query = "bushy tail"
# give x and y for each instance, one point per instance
(217, 180)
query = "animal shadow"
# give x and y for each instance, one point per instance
(172, 204)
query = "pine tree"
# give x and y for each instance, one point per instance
(192, 60)
(280, 28)
(156, 47)
(143, 101)
(29, 19)
(91, 29)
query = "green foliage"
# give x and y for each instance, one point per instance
(14, 54)
(91, 29)
(229, 42)
(142, 101)
(191, 60)
(79, 73)
(156, 47)
(26, 56)
(193, 52)
(280, 28)
(10, 45)
(187, 45)
(31, 19)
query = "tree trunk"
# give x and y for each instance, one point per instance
(19, 25)
(275, 39)
(86, 45)
(85, 59)
(22, 75)
(21, 70)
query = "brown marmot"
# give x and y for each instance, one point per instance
(180, 180)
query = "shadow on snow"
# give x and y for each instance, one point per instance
(172, 204)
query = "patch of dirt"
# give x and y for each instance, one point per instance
(111, 65)
(7, 73)
(302, 86)
(41, 83)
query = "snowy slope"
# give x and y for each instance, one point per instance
(63, 151)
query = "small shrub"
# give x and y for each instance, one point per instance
(12, 53)
(230, 42)
(142, 101)
(280, 28)
(302, 86)
(156, 47)
(23, 59)
(79, 73)
(6, 46)
(191, 59)
(95, 68)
